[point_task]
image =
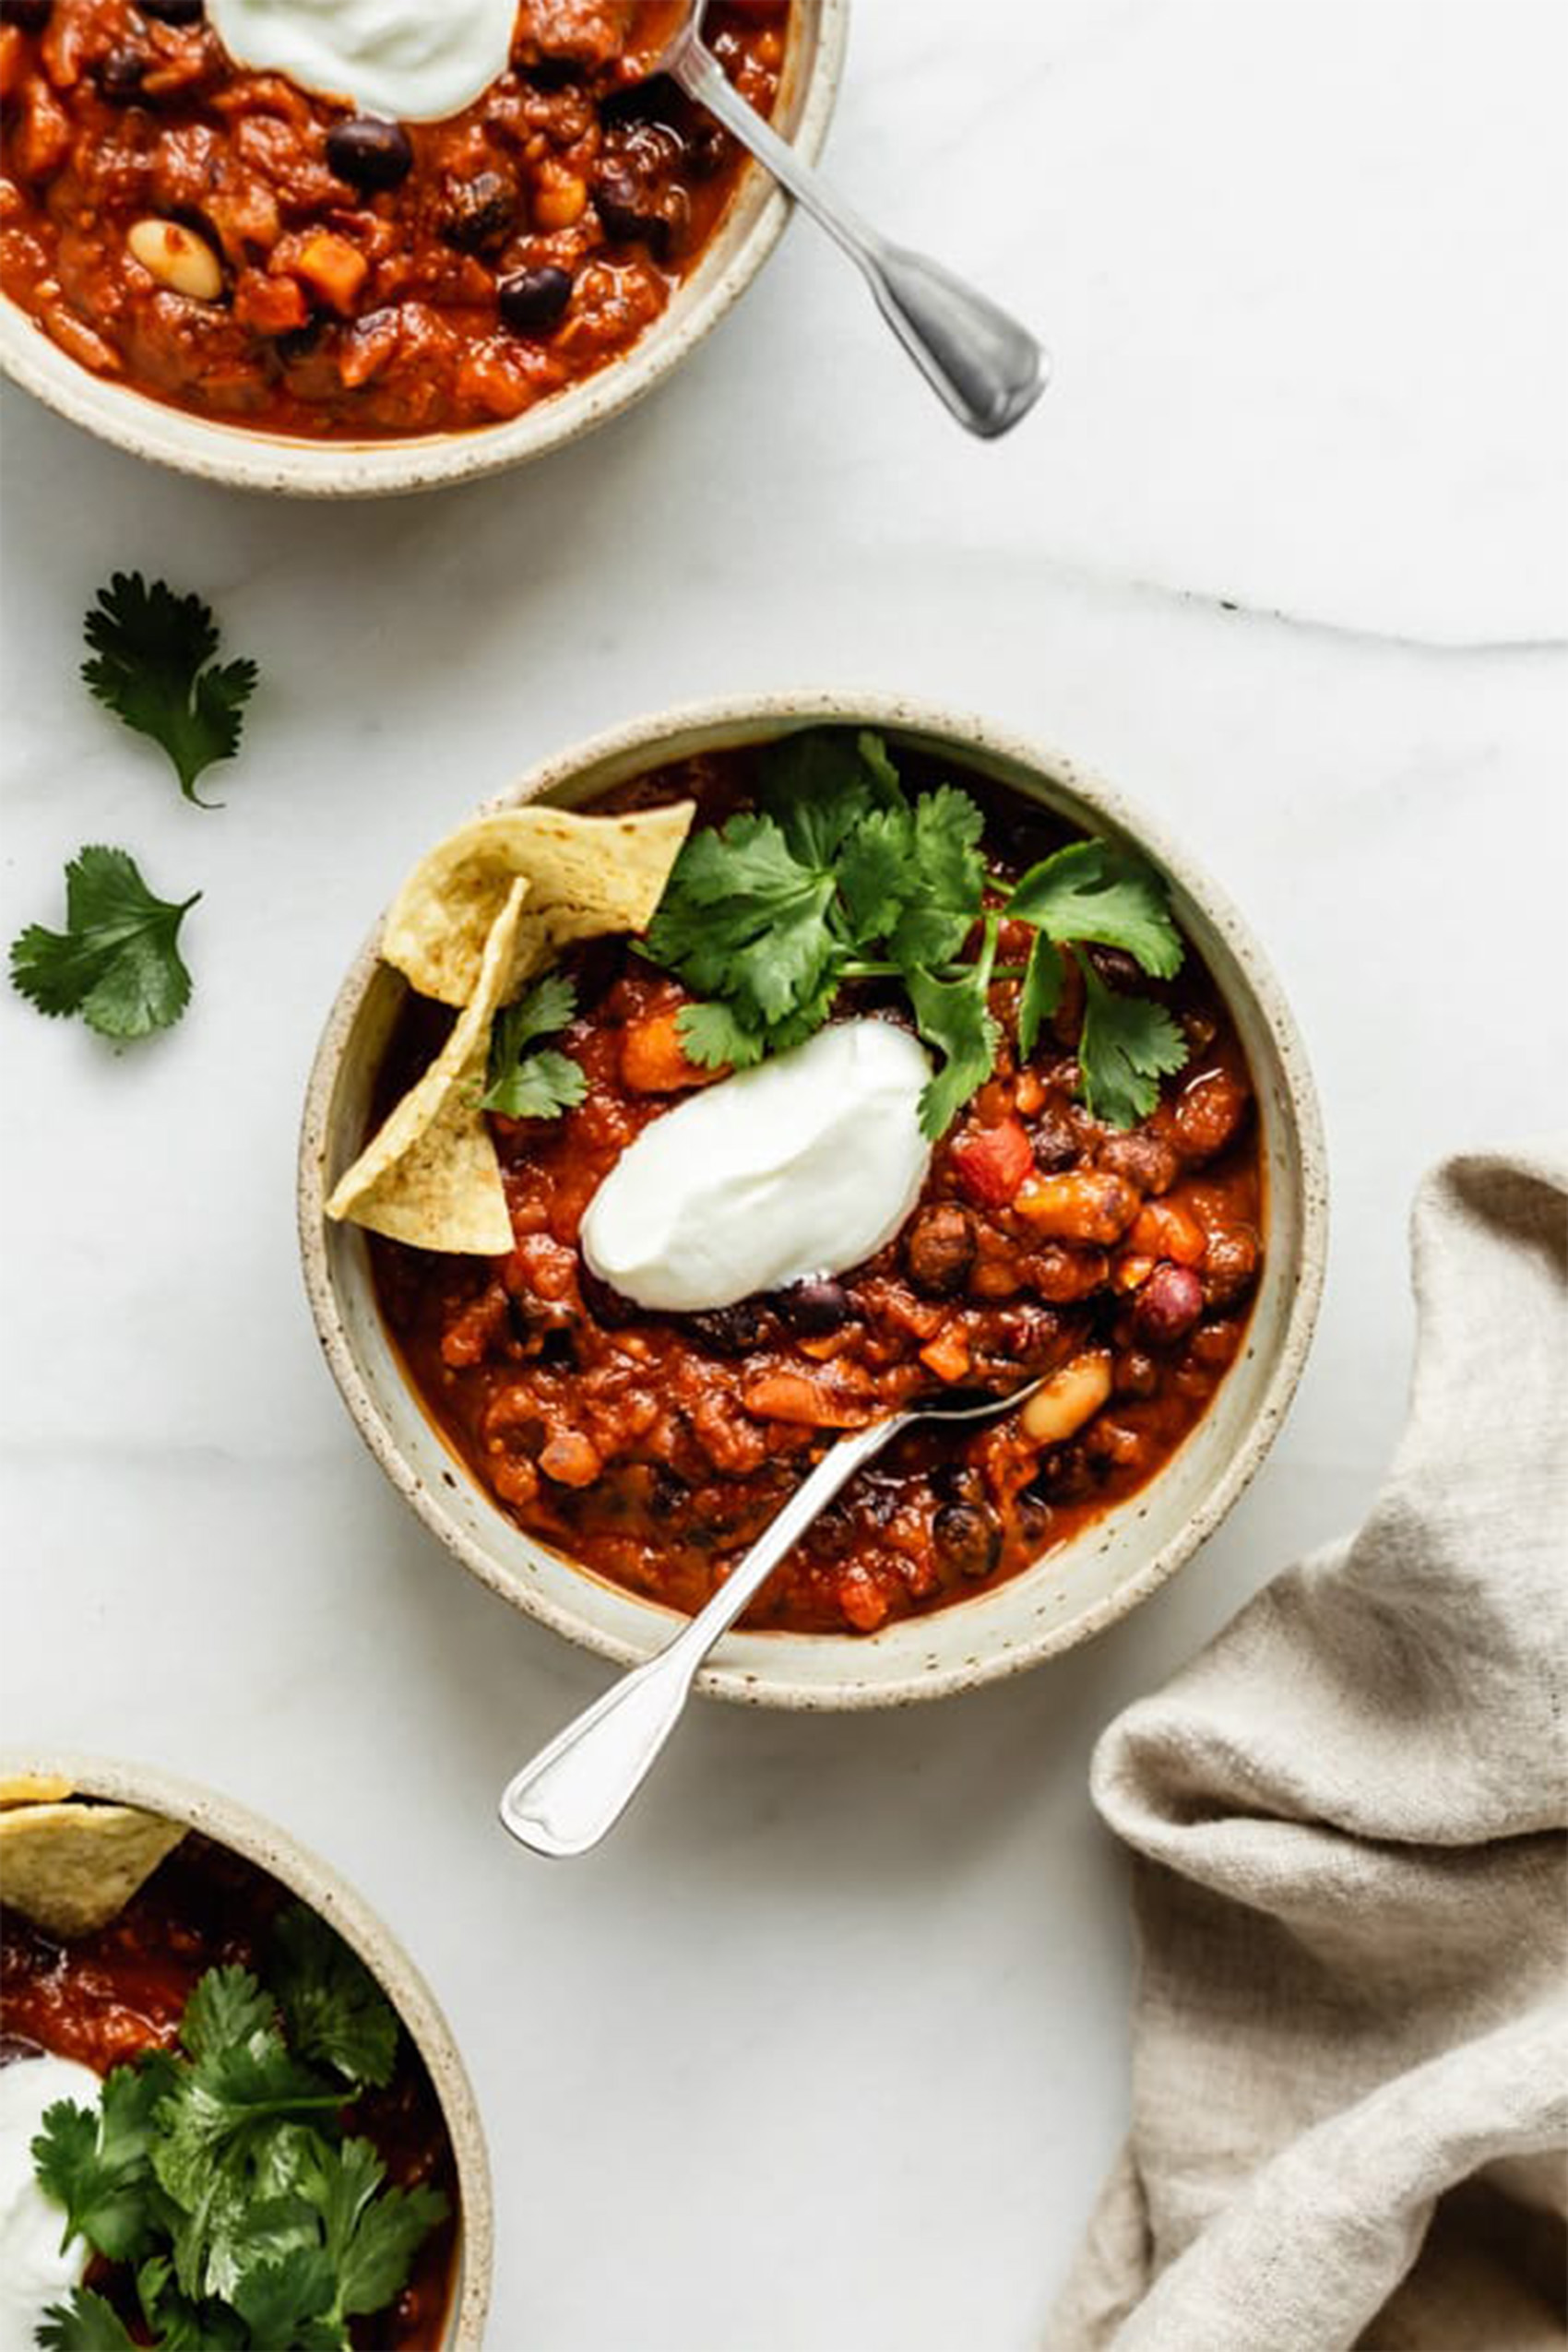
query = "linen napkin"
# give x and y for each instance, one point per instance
(1350, 2043)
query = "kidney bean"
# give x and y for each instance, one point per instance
(369, 152)
(1231, 1266)
(939, 1250)
(966, 1539)
(533, 301)
(479, 214)
(816, 1307)
(1168, 1306)
(1208, 1113)
(1145, 1160)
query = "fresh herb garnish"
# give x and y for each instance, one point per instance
(525, 1081)
(223, 2173)
(116, 963)
(153, 666)
(839, 875)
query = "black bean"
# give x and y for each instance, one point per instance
(369, 152)
(736, 1330)
(606, 1306)
(31, 15)
(532, 301)
(816, 1307)
(967, 1539)
(626, 214)
(120, 75)
(479, 214)
(173, 12)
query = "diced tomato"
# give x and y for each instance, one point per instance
(992, 1162)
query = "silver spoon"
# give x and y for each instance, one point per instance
(988, 368)
(576, 1790)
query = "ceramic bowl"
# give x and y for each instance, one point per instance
(1069, 1594)
(250, 460)
(316, 1883)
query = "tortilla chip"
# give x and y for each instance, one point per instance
(73, 1867)
(32, 1789)
(431, 1177)
(586, 876)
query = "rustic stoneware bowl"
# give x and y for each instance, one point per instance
(317, 1883)
(255, 461)
(1070, 1594)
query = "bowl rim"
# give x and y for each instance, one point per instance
(315, 1881)
(968, 732)
(244, 458)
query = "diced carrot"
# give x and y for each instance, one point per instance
(948, 1354)
(992, 1162)
(333, 268)
(653, 1059)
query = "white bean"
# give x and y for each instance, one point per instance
(178, 258)
(1067, 1398)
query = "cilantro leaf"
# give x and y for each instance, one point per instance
(217, 2107)
(955, 1018)
(818, 784)
(1099, 891)
(151, 651)
(371, 2237)
(744, 919)
(116, 963)
(96, 2164)
(1128, 1044)
(712, 1035)
(288, 2301)
(333, 2008)
(1043, 978)
(88, 2323)
(227, 2005)
(533, 1085)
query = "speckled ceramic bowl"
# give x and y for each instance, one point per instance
(316, 1883)
(255, 461)
(1072, 1593)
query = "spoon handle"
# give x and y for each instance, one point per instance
(577, 1788)
(988, 368)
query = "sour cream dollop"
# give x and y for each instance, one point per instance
(33, 2271)
(807, 1165)
(402, 58)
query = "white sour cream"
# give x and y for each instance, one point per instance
(416, 61)
(807, 1165)
(33, 2271)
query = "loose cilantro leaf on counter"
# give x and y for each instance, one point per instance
(224, 2173)
(116, 963)
(153, 666)
(524, 1083)
(1128, 1044)
(335, 2011)
(841, 875)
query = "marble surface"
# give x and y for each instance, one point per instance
(826, 2052)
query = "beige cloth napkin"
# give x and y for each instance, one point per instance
(1350, 2045)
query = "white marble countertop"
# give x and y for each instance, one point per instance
(827, 2049)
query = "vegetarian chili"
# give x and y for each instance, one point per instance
(233, 243)
(653, 1448)
(102, 1999)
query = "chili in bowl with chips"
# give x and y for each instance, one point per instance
(748, 1080)
(363, 250)
(230, 2112)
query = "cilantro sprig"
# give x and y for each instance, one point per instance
(222, 2178)
(524, 1080)
(838, 875)
(117, 962)
(153, 665)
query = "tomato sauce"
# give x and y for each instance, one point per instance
(227, 242)
(653, 1449)
(100, 1999)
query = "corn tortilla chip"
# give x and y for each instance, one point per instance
(32, 1789)
(586, 876)
(431, 1176)
(72, 1868)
